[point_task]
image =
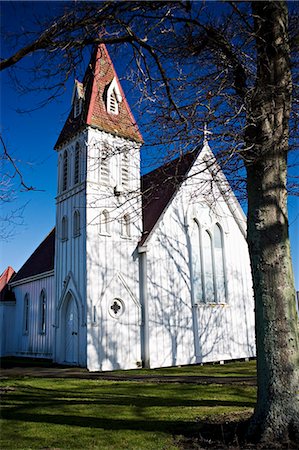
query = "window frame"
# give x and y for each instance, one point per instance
(43, 312)
(223, 262)
(126, 226)
(114, 93)
(125, 170)
(76, 223)
(104, 226)
(77, 168)
(105, 172)
(65, 171)
(64, 229)
(77, 106)
(26, 313)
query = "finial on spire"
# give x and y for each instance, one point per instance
(206, 133)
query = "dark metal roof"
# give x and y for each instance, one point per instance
(41, 260)
(159, 186)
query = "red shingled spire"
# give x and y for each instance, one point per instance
(101, 75)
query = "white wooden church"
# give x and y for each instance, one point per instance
(148, 271)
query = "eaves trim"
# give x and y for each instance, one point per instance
(32, 278)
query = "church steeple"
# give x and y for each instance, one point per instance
(100, 102)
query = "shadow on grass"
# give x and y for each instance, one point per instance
(141, 396)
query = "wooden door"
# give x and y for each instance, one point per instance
(72, 333)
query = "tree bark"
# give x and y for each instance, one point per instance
(276, 417)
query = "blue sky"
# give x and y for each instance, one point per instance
(30, 138)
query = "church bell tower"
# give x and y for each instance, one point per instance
(98, 223)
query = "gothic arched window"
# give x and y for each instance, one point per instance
(104, 222)
(126, 226)
(76, 223)
(42, 311)
(65, 171)
(77, 164)
(196, 261)
(114, 97)
(64, 228)
(219, 264)
(26, 314)
(209, 273)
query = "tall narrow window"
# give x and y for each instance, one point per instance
(208, 267)
(43, 311)
(219, 264)
(104, 222)
(77, 164)
(105, 168)
(76, 223)
(26, 314)
(126, 226)
(64, 228)
(125, 170)
(65, 171)
(196, 261)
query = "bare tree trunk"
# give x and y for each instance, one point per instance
(276, 415)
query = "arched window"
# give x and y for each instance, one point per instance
(219, 264)
(104, 222)
(42, 311)
(65, 171)
(76, 223)
(77, 164)
(126, 226)
(26, 314)
(64, 228)
(208, 259)
(114, 97)
(196, 250)
(125, 170)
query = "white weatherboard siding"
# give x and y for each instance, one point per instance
(112, 267)
(34, 342)
(7, 327)
(70, 259)
(184, 329)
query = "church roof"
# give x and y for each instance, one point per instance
(159, 186)
(41, 260)
(5, 293)
(93, 92)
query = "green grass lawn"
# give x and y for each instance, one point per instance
(96, 414)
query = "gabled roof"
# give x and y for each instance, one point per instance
(5, 293)
(98, 77)
(159, 186)
(41, 260)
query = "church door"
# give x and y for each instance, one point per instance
(72, 333)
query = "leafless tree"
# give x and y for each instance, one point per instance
(234, 67)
